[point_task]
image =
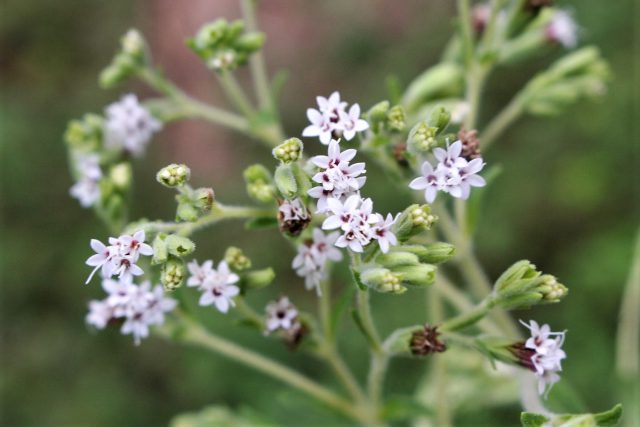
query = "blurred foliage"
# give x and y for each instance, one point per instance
(565, 200)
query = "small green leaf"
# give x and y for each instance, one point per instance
(610, 417)
(529, 419)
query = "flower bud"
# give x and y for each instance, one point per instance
(439, 119)
(173, 274)
(382, 280)
(259, 183)
(257, 279)
(432, 253)
(289, 151)
(250, 42)
(422, 138)
(85, 134)
(522, 286)
(120, 175)
(414, 220)
(132, 56)
(286, 181)
(160, 251)
(420, 275)
(186, 212)
(396, 118)
(134, 45)
(551, 290)
(203, 199)
(174, 175)
(377, 115)
(179, 245)
(504, 350)
(397, 258)
(236, 259)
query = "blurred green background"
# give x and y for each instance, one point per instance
(567, 200)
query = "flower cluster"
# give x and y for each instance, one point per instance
(333, 120)
(312, 256)
(129, 126)
(217, 286)
(140, 306)
(87, 187)
(562, 29)
(354, 217)
(338, 178)
(453, 174)
(293, 216)
(119, 258)
(546, 354)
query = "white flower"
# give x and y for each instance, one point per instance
(562, 29)
(281, 314)
(332, 119)
(138, 305)
(217, 286)
(312, 256)
(453, 174)
(87, 188)
(354, 217)
(382, 232)
(120, 257)
(129, 126)
(338, 178)
(547, 354)
(350, 123)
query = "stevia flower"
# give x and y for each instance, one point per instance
(350, 122)
(120, 256)
(382, 232)
(338, 178)
(312, 257)
(100, 313)
(129, 126)
(87, 188)
(281, 314)
(217, 286)
(293, 217)
(562, 29)
(431, 182)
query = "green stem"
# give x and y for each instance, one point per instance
(464, 15)
(194, 333)
(375, 380)
(469, 318)
(248, 312)
(364, 310)
(501, 122)
(236, 94)
(443, 412)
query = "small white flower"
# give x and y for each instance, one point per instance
(350, 123)
(120, 257)
(100, 313)
(430, 181)
(87, 188)
(321, 126)
(382, 232)
(217, 286)
(547, 354)
(354, 217)
(281, 314)
(129, 126)
(312, 257)
(562, 29)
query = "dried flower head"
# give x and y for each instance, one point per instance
(425, 341)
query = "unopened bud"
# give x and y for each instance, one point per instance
(257, 279)
(160, 251)
(420, 275)
(439, 119)
(236, 259)
(396, 118)
(173, 175)
(250, 42)
(289, 151)
(186, 212)
(134, 45)
(179, 245)
(522, 286)
(382, 280)
(120, 175)
(286, 181)
(377, 115)
(173, 274)
(432, 253)
(551, 290)
(422, 138)
(203, 199)
(397, 258)
(414, 220)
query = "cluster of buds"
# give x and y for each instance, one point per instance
(236, 259)
(522, 286)
(168, 249)
(289, 151)
(414, 220)
(260, 184)
(470, 144)
(131, 58)
(384, 118)
(332, 120)
(174, 175)
(192, 203)
(224, 45)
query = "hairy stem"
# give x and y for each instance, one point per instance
(443, 412)
(501, 122)
(236, 94)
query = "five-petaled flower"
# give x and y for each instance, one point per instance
(332, 119)
(217, 286)
(120, 256)
(129, 126)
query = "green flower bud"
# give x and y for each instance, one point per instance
(382, 280)
(133, 55)
(414, 220)
(210, 36)
(377, 115)
(236, 259)
(396, 259)
(289, 151)
(85, 134)
(286, 181)
(439, 119)
(173, 274)
(396, 118)
(174, 175)
(422, 138)
(255, 173)
(433, 253)
(160, 251)
(257, 279)
(134, 45)
(551, 290)
(179, 246)
(522, 286)
(420, 275)
(250, 42)
(261, 192)
(120, 175)
(186, 212)
(203, 199)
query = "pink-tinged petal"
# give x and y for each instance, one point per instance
(355, 246)
(139, 235)
(367, 206)
(349, 134)
(223, 268)
(361, 180)
(135, 270)
(474, 166)
(334, 150)
(314, 116)
(311, 131)
(476, 181)
(222, 304)
(352, 203)
(465, 190)
(354, 111)
(232, 278)
(98, 246)
(231, 291)
(440, 154)
(341, 242)
(320, 161)
(335, 205)
(455, 149)
(419, 183)
(430, 194)
(315, 192)
(384, 245)
(322, 102)
(392, 239)
(145, 249)
(206, 298)
(426, 169)
(321, 207)
(356, 169)
(334, 98)
(325, 138)
(331, 223)
(96, 260)
(361, 125)
(347, 155)
(455, 191)
(125, 240)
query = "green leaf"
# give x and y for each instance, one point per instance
(610, 417)
(603, 419)
(260, 223)
(529, 419)
(356, 278)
